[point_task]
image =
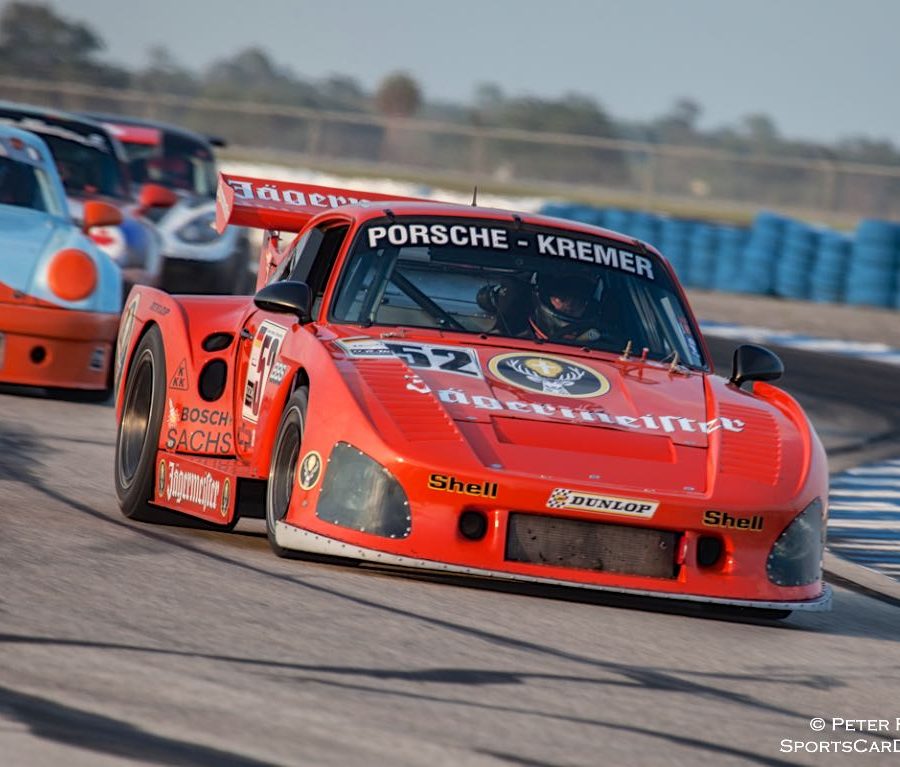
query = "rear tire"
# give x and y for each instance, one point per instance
(137, 438)
(283, 469)
(138, 430)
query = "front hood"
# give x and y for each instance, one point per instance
(565, 413)
(27, 238)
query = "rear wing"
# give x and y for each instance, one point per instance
(284, 206)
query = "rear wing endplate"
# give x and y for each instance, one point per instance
(284, 206)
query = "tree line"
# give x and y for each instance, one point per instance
(37, 42)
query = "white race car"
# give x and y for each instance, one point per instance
(197, 258)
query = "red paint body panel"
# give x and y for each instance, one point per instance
(681, 441)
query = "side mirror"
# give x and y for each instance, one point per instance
(97, 213)
(156, 196)
(755, 363)
(286, 297)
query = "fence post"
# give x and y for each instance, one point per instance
(648, 183)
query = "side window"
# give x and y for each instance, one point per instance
(289, 264)
(317, 257)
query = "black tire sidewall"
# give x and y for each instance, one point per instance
(294, 416)
(135, 495)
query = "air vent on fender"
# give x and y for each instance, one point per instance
(755, 451)
(418, 416)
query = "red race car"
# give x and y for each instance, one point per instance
(472, 391)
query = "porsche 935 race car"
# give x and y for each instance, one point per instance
(472, 391)
(60, 295)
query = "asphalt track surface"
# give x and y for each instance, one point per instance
(125, 643)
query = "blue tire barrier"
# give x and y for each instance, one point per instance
(775, 256)
(619, 220)
(871, 276)
(674, 242)
(793, 269)
(557, 209)
(729, 257)
(762, 252)
(829, 274)
(704, 245)
(646, 227)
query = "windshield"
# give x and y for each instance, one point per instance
(86, 169)
(26, 186)
(178, 163)
(519, 282)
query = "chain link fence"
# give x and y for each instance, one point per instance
(705, 181)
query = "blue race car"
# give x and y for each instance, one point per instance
(60, 294)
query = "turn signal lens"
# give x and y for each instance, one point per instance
(72, 274)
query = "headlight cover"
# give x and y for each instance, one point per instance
(199, 230)
(796, 557)
(361, 494)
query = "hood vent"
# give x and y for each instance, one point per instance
(755, 451)
(419, 416)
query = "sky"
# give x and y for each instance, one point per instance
(821, 69)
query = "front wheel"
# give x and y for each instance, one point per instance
(284, 465)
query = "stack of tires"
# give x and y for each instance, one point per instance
(675, 244)
(646, 227)
(619, 220)
(794, 267)
(761, 254)
(704, 244)
(829, 274)
(729, 258)
(872, 275)
(558, 209)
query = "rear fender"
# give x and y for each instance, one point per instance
(196, 420)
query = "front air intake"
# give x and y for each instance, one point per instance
(583, 545)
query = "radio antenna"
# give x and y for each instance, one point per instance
(475, 197)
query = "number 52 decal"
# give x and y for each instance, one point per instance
(263, 354)
(449, 359)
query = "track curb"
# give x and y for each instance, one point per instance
(842, 572)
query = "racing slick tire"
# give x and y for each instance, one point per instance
(137, 435)
(283, 468)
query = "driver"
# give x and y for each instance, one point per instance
(562, 308)
(566, 308)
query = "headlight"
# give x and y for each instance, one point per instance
(200, 230)
(361, 494)
(796, 557)
(72, 274)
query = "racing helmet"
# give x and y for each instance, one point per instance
(564, 303)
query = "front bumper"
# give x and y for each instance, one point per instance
(290, 537)
(50, 347)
